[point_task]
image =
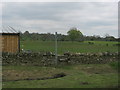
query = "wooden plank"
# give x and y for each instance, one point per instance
(10, 43)
(0, 43)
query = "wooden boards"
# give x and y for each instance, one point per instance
(10, 43)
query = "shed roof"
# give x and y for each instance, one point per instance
(8, 29)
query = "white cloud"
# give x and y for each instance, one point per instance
(90, 18)
(60, 1)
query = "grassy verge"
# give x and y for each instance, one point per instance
(77, 76)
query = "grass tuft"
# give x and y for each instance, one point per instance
(115, 65)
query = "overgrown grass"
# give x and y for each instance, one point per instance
(78, 76)
(64, 46)
(115, 65)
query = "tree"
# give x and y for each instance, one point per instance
(75, 35)
(109, 38)
(26, 33)
(106, 35)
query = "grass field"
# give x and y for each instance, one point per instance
(77, 76)
(64, 46)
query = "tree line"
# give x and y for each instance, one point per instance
(72, 35)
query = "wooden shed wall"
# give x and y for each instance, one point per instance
(0, 43)
(10, 43)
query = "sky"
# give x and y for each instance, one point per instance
(91, 18)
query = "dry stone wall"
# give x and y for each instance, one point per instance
(47, 59)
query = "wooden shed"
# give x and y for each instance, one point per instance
(10, 40)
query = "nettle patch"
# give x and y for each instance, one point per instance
(47, 59)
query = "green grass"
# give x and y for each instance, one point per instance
(64, 46)
(96, 76)
(115, 65)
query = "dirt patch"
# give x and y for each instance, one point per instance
(59, 75)
(16, 73)
(84, 83)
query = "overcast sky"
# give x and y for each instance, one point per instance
(91, 18)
